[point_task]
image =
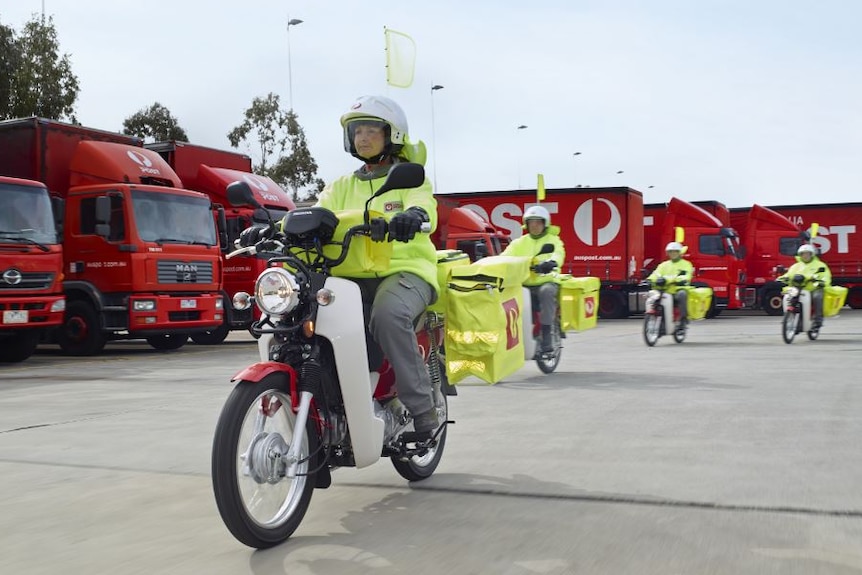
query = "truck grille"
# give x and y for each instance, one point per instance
(174, 272)
(29, 281)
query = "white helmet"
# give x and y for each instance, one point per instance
(537, 213)
(673, 247)
(376, 109)
(806, 248)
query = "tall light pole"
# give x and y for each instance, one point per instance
(434, 88)
(519, 128)
(290, 22)
(575, 156)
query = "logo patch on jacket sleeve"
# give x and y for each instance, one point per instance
(393, 207)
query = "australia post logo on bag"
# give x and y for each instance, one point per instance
(513, 323)
(589, 306)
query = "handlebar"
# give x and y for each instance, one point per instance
(276, 245)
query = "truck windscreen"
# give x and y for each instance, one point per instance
(25, 215)
(163, 217)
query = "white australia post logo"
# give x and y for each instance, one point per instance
(585, 224)
(261, 187)
(143, 162)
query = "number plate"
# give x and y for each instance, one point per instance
(188, 303)
(15, 316)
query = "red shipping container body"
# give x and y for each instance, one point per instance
(601, 228)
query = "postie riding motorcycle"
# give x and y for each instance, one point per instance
(316, 401)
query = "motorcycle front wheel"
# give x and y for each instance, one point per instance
(789, 324)
(258, 503)
(419, 467)
(652, 328)
(548, 362)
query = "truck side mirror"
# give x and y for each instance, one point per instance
(221, 225)
(103, 216)
(58, 208)
(240, 194)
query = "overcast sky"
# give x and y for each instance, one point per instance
(741, 101)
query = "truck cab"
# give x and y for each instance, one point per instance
(769, 242)
(713, 248)
(141, 254)
(31, 268)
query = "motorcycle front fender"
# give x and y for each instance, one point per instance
(667, 306)
(343, 324)
(256, 372)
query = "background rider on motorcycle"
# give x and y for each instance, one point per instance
(668, 274)
(542, 283)
(375, 132)
(809, 265)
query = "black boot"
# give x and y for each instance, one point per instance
(547, 344)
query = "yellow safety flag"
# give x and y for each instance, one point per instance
(540, 188)
(679, 237)
(815, 227)
(400, 58)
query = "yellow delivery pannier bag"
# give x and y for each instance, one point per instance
(579, 302)
(484, 303)
(833, 300)
(699, 300)
(447, 260)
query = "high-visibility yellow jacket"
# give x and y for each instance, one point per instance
(528, 246)
(669, 270)
(816, 279)
(417, 256)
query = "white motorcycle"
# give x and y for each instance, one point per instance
(661, 315)
(798, 310)
(315, 402)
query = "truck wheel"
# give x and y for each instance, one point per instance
(168, 341)
(18, 347)
(81, 332)
(854, 298)
(772, 302)
(611, 305)
(211, 337)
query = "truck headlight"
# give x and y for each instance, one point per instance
(59, 305)
(276, 291)
(144, 305)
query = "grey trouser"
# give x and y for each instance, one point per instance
(546, 296)
(817, 303)
(680, 300)
(398, 300)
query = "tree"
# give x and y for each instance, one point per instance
(155, 122)
(38, 81)
(284, 154)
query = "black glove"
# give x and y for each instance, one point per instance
(403, 226)
(660, 281)
(820, 284)
(798, 278)
(546, 266)
(251, 236)
(681, 282)
(378, 230)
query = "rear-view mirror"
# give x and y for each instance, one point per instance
(240, 194)
(403, 176)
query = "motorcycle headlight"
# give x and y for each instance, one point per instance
(276, 291)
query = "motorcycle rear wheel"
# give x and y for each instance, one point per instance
(789, 324)
(813, 334)
(261, 512)
(679, 334)
(652, 328)
(417, 468)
